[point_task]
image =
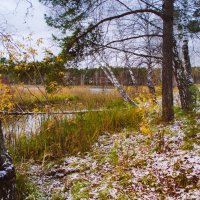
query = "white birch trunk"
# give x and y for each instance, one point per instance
(148, 42)
(150, 82)
(181, 79)
(185, 47)
(134, 81)
(111, 76)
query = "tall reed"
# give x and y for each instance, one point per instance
(58, 137)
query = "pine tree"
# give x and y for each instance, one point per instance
(75, 18)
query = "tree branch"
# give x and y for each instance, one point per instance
(118, 17)
(134, 37)
(130, 52)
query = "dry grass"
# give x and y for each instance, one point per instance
(29, 97)
(70, 98)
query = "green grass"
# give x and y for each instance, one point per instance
(25, 189)
(70, 136)
(31, 102)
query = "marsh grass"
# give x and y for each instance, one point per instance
(61, 136)
(73, 98)
(58, 137)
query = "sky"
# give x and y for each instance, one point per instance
(20, 20)
(16, 20)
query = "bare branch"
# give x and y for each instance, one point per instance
(134, 37)
(118, 17)
(130, 52)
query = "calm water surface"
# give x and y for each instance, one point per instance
(31, 124)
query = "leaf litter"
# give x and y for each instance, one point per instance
(127, 165)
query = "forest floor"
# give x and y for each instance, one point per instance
(129, 165)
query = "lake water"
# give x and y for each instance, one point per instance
(99, 90)
(24, 124)
(30, 124)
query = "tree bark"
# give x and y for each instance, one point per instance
(150, 51)
(167, 69)
(116, 83)
(191, 97)
(134, 81)
(185, 47)
(187, 63)
(7, 172)
(181, 79)
(150, 83)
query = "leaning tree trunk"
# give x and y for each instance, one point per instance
(167, 69)
(115, 82)
(181, 79)
(190, 81)
(7, 172)
(134, 80)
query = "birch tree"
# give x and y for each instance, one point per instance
(88, 22)
(185, 48)
(181, 79)
(186, 24)
(107, 69)
(151, 48)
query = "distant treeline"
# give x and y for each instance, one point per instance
(97, 77)
(86, 76)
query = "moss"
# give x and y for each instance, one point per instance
(125, 179)
(104, 194)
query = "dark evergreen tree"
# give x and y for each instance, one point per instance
(82, 21)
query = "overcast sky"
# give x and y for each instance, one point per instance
(14, 14)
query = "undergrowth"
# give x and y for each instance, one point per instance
(25, 189)
(58, 137)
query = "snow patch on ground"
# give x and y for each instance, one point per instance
(128, 166)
